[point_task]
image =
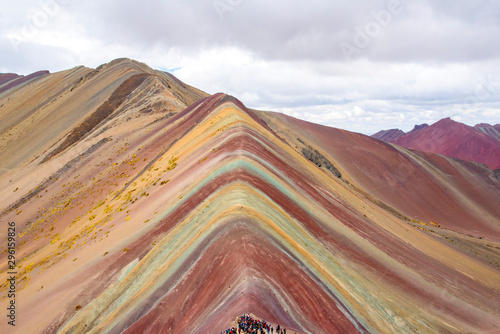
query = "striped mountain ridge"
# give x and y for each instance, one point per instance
(157, 208)
(490, 130)
(12, 81)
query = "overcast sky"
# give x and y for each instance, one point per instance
(356, 65)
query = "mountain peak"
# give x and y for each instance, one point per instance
(454, 139)
(389, 135)
(483, 125)
(447, 122)
(419, 127)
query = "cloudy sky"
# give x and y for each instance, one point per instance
(357, 65)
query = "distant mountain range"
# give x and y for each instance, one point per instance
(480, 143)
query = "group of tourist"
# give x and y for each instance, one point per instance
(248, 325)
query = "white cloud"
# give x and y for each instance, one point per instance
(429, 61)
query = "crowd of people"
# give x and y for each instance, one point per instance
(249, 325)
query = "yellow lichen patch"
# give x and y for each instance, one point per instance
(172, 163)
(98, 205)
(75, 221)
(55, 238)
(108, 209)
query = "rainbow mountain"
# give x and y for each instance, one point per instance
(144, 205)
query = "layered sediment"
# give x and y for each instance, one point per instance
(180, 219)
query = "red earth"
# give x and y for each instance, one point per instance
(452, 139)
